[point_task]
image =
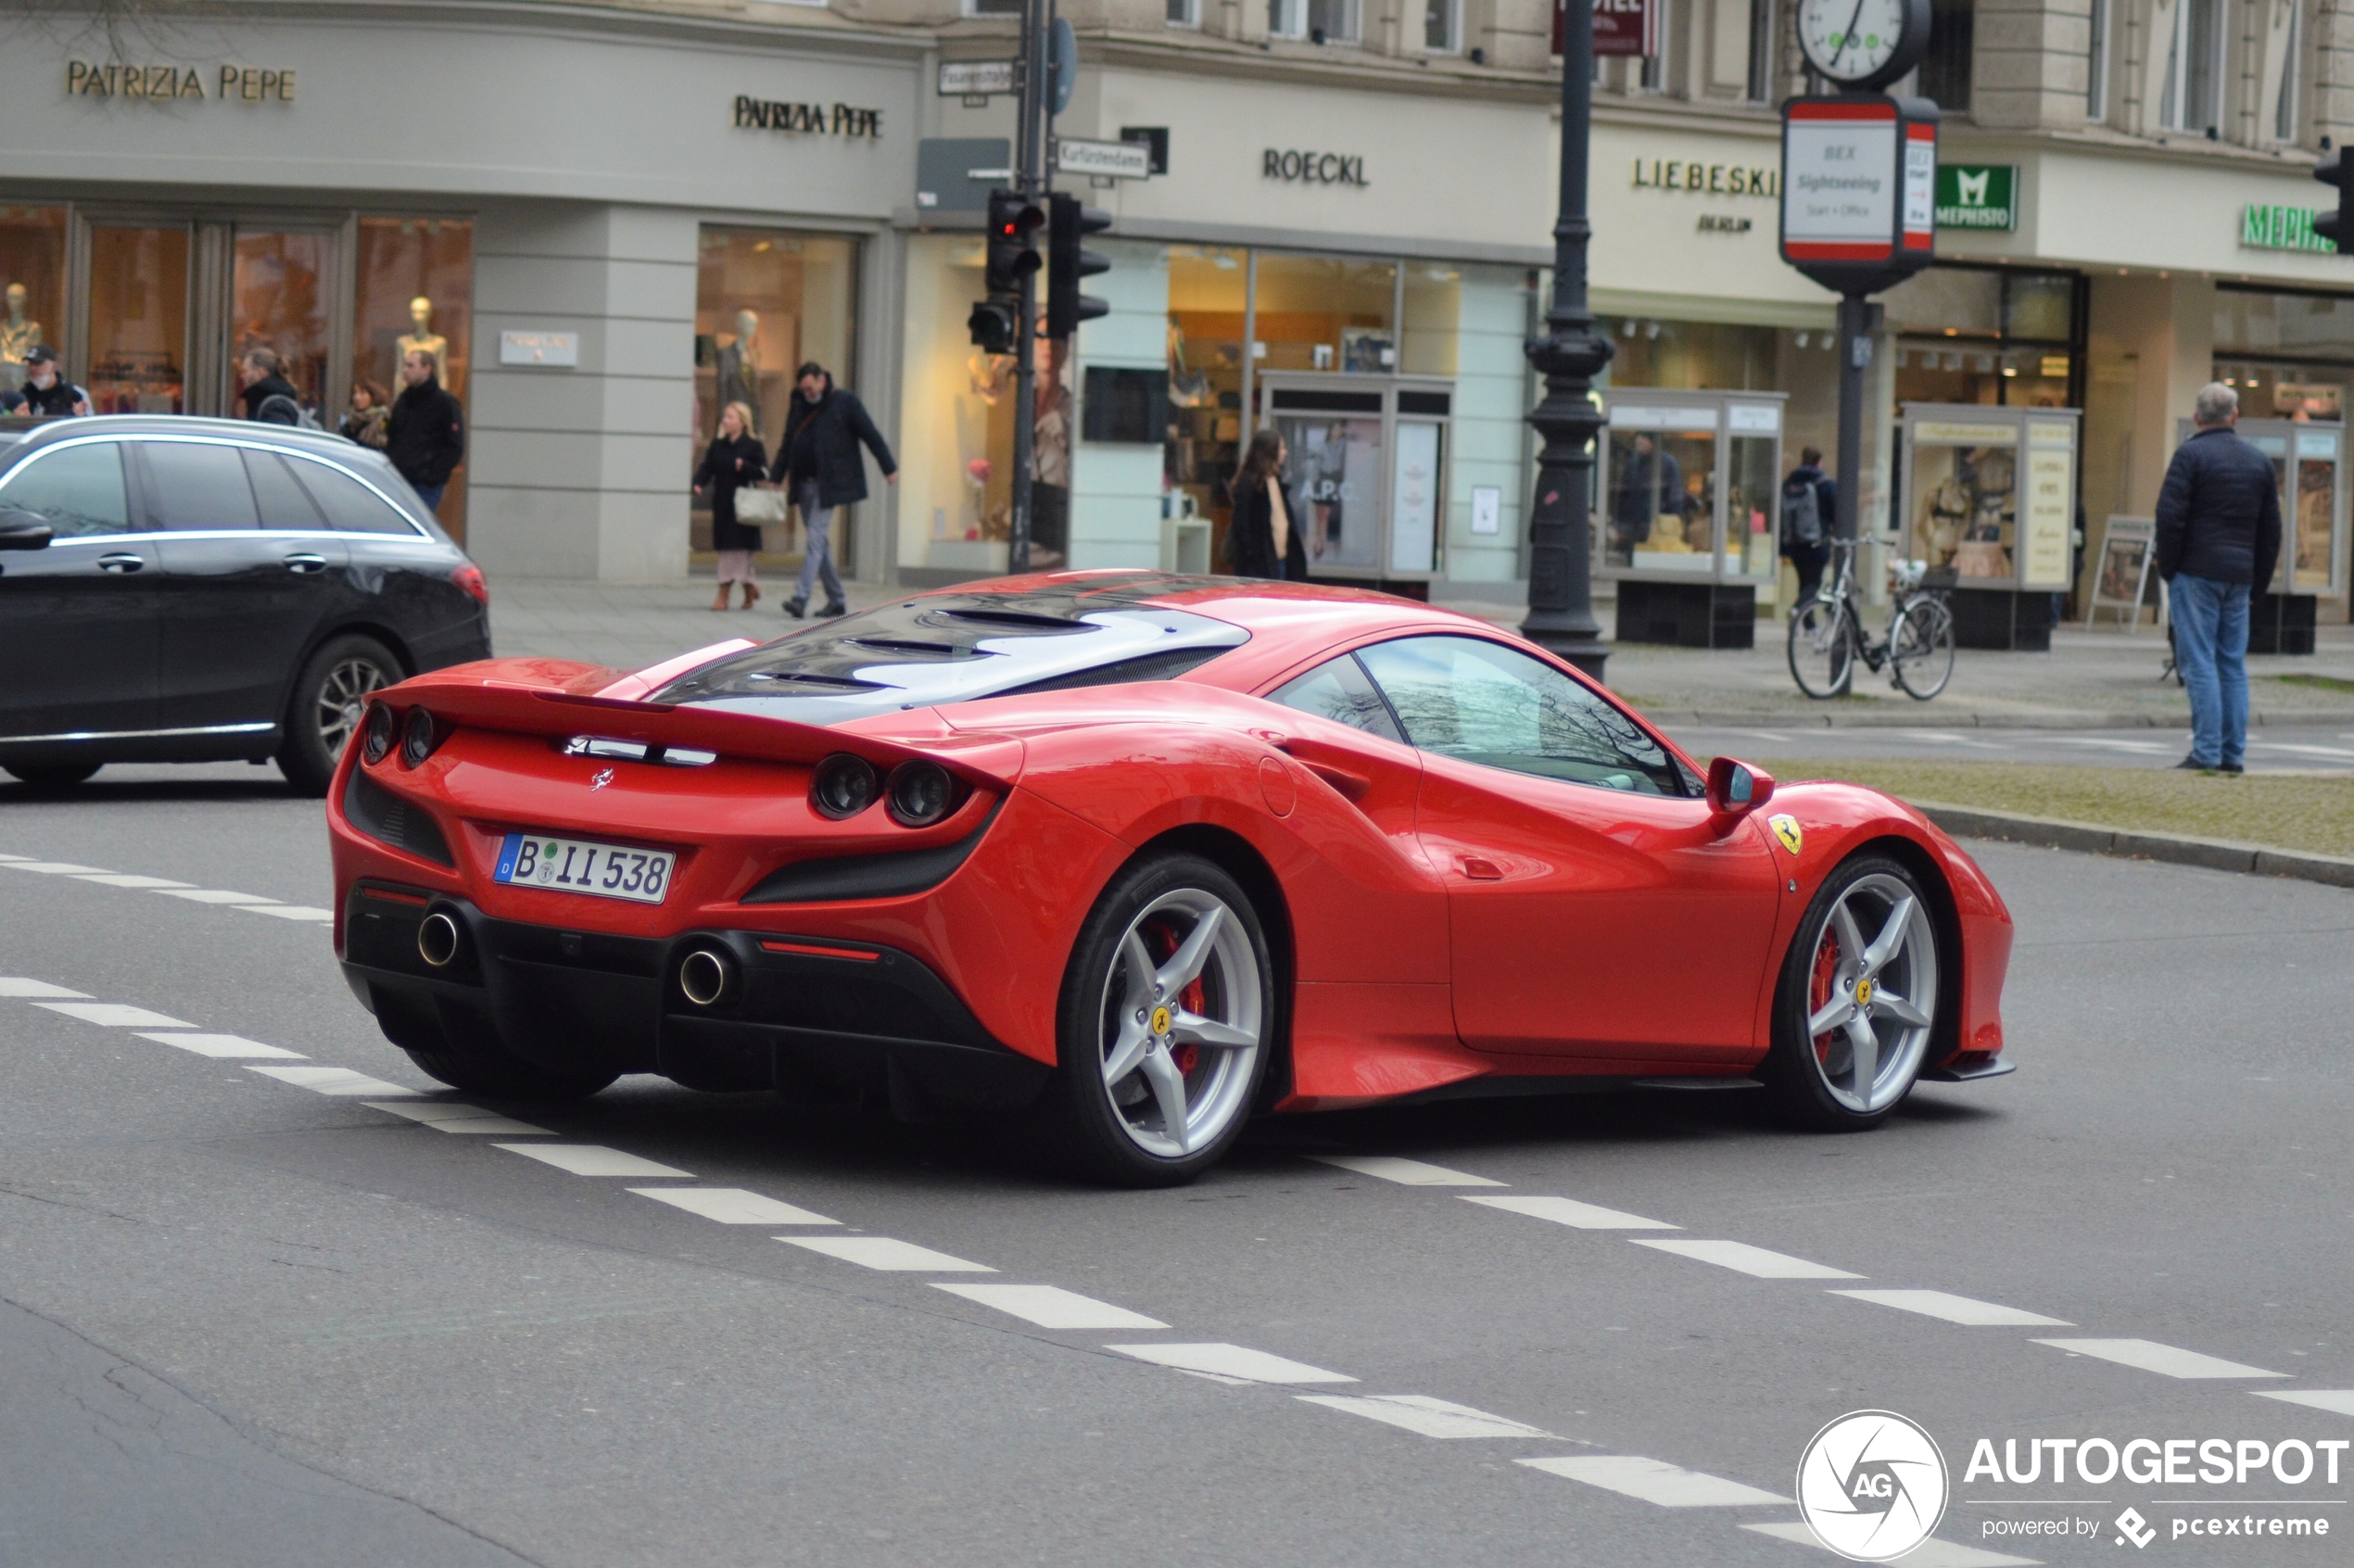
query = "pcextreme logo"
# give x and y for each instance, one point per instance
(1872, 1485)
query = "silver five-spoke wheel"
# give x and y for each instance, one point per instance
(1858, 1002)
(1181, 1022)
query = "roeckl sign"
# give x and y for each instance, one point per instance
(1313, 168)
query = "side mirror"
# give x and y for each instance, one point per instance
(1734, 790)
(23, 530)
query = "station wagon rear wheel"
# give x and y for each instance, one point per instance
(330, 696)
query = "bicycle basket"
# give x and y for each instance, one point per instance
(1938, 579)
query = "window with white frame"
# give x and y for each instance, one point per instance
(2096, 61)
(1333, 21)
(2189, 99)
(1286, 18)
(1442, 26)
(1184, 13)
(2284, 125)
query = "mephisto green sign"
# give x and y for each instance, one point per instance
(2282, 228)
(1977, 196)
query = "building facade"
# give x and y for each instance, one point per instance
(608, 222)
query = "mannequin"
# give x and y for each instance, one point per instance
(423, 340)
(740, 366)
(17, 336)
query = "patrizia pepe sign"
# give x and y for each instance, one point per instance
(846, 121)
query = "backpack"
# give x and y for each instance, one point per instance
(1802, 513)
(279, 403)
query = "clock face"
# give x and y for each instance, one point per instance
(1850, 40)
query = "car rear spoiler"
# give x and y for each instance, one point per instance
(557, 698)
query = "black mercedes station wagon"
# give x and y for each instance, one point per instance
(177, 589)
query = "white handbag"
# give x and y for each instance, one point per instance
(757, 506)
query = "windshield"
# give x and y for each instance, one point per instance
(955, 648)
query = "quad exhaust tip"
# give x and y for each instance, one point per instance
(438, 939)
(703, 976)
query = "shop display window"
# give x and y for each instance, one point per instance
(1966, 511)
(768, 301)
(32, 284)
(1325, 313)
(138, 320)
(1663, 499)
(1990, 495)
(279, 285)
(416, 290)
(1209, 292)
(1995, 336)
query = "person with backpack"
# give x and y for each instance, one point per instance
(425, 438)
(269, 396)
(1810, 510)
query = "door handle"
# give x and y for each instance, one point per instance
(304, 565)
(123, 562)
(1478, 868)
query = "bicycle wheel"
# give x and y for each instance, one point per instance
(1921, 647)
(1822, 647)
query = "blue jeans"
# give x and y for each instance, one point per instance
(817, 555)
(2210, 649)
(430, 495)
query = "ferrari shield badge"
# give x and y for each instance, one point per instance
(1787, 829)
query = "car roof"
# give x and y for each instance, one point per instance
(41, 432)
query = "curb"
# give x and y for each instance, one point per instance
(2214, 854)
(1926, 716)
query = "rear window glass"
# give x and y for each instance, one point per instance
(349, 506)
(283, 502)
(958, 648)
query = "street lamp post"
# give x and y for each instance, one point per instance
(1570, 354)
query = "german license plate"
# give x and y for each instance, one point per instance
(574, 866)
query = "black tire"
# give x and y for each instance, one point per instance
(503, 1075)
(1920, 646)
(323, 712)
(1115, 1131)
(1822, 647)
(51, 776)
(1803, 1068)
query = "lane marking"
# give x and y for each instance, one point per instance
(52, 867)
(1051, 1306)
(130, 879)
(1569, 1211)
(1231, 1361)
(330, 1081)
(288, 911)
(4, 858)
(1748, 1259)
(114, 1014)
(1654, 1481)
(213, 895)
(1422, 1414)
(591, 1159)
(223, 1045)
(454, 1115)
(2337, 1401)
(17, 985)
(1405, 1173)
(733, 1206)
(1955, 1309)
(2147, 1355)
(1930, 1553)
(889, 1255)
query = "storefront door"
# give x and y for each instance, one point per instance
(1365, 469)
(280, 285)
(136, 354)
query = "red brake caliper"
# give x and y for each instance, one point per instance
(1818, 989)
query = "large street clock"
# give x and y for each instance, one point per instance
(1862, 44)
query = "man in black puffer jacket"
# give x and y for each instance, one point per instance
(2219, 538)
(425, 438)
(818, 463)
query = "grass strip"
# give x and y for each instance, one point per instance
(2309, 811)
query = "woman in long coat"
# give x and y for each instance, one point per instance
(734, 461)
(1262, 538)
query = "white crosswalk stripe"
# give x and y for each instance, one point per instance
(456, 1116)
(1955, 1309)
(1569, 1211)
(1233, 1361)
(1421, 1413)
(2337, 1401)
(888, 1255)
(330, 1081)
(2147, 1355)
(591, 1159)
(1405, 1173)
(1748, 1259)
(227, 1047)
(114, 1014)
(733, 1206)
(17, 985)
(1051, 1306)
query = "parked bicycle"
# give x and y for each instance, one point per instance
(1826, 635)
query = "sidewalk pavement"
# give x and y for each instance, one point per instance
(2088, 680)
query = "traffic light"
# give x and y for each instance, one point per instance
(1014, 221)
(2339, 226)
(994, 324)
(1065, 307)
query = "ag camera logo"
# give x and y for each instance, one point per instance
(1872, 1485)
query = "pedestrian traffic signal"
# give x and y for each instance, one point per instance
(993, 324)
(2336, 226)
(1065, 307)
(1014, 222)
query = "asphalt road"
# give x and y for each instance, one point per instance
(2327, 748)
(243, 1320)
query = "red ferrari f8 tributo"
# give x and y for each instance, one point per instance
(1138, 856)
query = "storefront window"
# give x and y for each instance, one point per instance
(33, 292)
(2290, 356)
(1207, 293)
(1990, 335)
(765, 302)
(138, 320)
(1434, 314)
(415, 291)
(1325, 313)
(1721, 356)
(278, 288)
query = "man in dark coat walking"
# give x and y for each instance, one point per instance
(269, 396)
(425, 438)
(2219, 538)
(819, 465)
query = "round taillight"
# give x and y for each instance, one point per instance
(921, 793)
(418, 740)
(375, 737)
(844, 786)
